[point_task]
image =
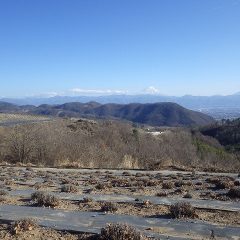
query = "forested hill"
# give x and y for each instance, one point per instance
(154, 114)
(227, 133)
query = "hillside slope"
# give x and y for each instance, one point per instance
(155, 114)
(112, 144)
(227, 133)
(8, 107)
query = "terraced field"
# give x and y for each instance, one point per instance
(159, 204)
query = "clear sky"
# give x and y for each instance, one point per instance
(95, 46)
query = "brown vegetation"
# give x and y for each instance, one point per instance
(69, 188)
(182, 210)
(45, 200)
(23, 225)
(234, 192)
(110, 144)
(109, 207)
(120, 232)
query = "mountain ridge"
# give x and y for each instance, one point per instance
(154, 114)
(188, 101)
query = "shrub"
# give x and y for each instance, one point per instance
(90, 190)
(9, 182)
(167, 185)
(213, 180)
(120, 232)
(29, 169)
(179, 190)
(182, 209)
(188, 183)
(101, 186)
(237, 183)
(45, 200)
(139, 174)
(36, 196)
(51, 201)
(179, 183)
(126, 174)
(23, 225)
(3, 193)
(188, 195)
(69, 188)
(147, 203)
(193, 172)
(162, 194)
(65, 181)
(151, 183)
(109, 207)
(223, 184)
(2, 178)
(38, 185)
(2, 199)
(234, 192)
(86, 200)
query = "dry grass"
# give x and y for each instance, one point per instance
(162, 194)
(45, 200)
(69, 188)
(109, 207)
(167, 185)
(120, 232)
(223, 184)
(3, 193)
(86, 200)
(234, 192)
(182, 210)
(23, 225)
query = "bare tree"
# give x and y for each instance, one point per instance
(21, 143)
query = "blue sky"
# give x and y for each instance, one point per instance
(113, 46)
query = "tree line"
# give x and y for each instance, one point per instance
(110, 144)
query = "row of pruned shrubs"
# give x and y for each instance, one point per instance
(110, 232)
(178, 210)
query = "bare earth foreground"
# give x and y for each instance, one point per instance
(78, 203)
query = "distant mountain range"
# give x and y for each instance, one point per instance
(188, 101)
(154, 114)
(219, 107)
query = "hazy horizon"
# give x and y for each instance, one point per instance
(90, 93)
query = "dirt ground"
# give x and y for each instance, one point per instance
(192, 185)
(40, 233)
(137, 209)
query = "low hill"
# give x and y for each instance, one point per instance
(85, 143)
(154, 114)
(227, 133)
(8, 107)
